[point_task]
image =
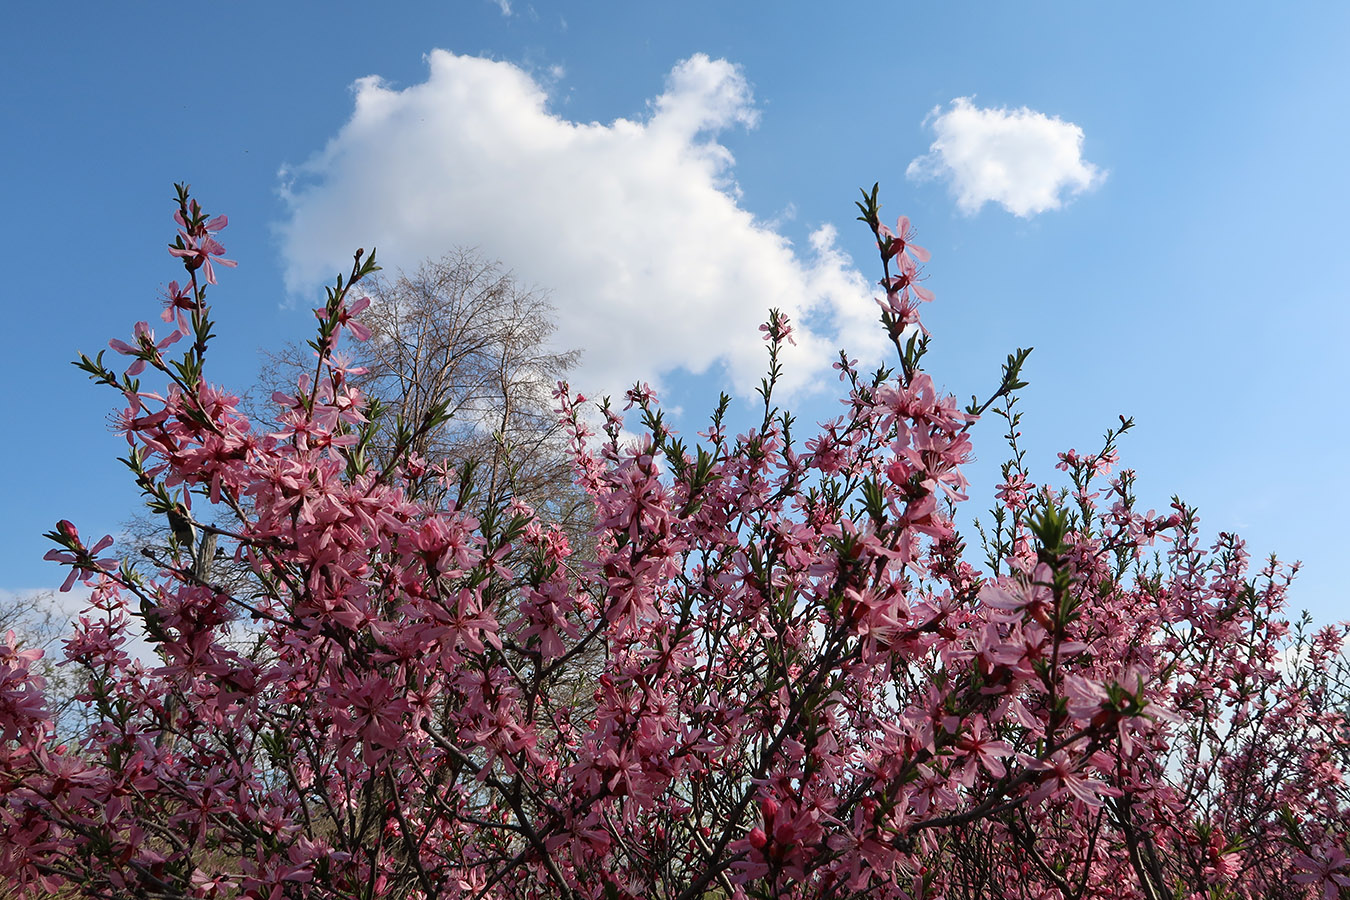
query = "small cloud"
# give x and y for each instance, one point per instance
(1023, 160)
(785, 215)
(503, 5)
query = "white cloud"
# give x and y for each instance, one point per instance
(46, 618)
(1024, 160)
(633, 226)
(504, 6)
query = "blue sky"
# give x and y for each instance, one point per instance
(1168, 230)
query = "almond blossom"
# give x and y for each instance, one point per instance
(776, 672)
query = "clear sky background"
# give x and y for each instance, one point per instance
(1153, 195)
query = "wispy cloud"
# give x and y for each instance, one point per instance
(44, 618)
(1023, 160)
(503, 5)
(635, 227)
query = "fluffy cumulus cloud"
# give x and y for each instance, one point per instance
(1023, 160)
(634, 227)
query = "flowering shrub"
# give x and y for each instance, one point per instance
(796, 685)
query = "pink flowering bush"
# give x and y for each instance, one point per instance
(799, 686)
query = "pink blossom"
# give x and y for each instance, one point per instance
(898, 245)
(765, 671)
(346, 318)
(197, 247)
(1328, 869)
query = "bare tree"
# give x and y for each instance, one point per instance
(462, 333)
